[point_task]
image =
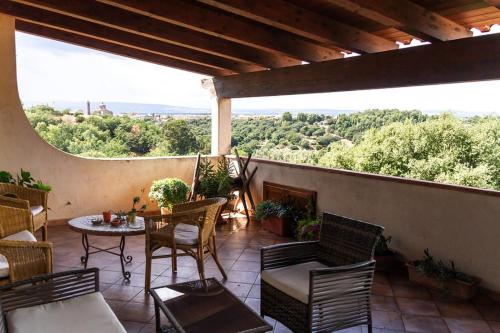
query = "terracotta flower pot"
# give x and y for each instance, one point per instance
(456, 288)
(106, 216)
(277, 225)
(165, 210)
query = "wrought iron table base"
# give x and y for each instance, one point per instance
(123, 259)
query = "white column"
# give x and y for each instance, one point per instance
(221, 125)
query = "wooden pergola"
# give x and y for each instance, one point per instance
(278, 47)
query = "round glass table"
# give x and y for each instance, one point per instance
(85, 226)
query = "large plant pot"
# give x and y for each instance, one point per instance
(456, 288)
(277, 225)
(386, 263)
(165, 210)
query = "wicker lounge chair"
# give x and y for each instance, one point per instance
(30, 199)
(57, 303)
(321, 286)
(190, 228)
(21, 256)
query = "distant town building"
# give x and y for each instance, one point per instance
(102, 111)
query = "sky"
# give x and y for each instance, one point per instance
(51, 71)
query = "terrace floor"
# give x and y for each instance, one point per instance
(398, 306)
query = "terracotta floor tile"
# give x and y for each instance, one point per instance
(384, 303)
(387, 319)
(239, 289)
(121, 293)
(467, 326)
(132, 327)
(458, 310)
(254, 303)
(247, 266)
(410, 291)
(382, 289)
(242, 276)
(489, 311)
(417, 307)
(136, 312)
(421, 324)
(495, 326)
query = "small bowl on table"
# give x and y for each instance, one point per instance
(116, 222)
(96, 221)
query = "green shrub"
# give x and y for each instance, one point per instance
(168, 192)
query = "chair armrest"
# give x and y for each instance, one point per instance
(287, 254)
(13, 220)
(35, 196)
(14, 202)
(27, 259)
(340, 282)
(48, 288)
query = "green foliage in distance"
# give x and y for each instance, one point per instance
(392, 142)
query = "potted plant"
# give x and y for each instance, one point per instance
(132, 214)
(214, 182)
(308, 229)
(24, 179)
(437, 275)
(168, 192)
(385, 257)
(275, 217)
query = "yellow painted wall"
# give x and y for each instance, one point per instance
(80, 185)
(457, 225)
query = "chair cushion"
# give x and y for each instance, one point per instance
(24, 235)
(35, 210)
(186, 234)
(292, 280)
(82, 314)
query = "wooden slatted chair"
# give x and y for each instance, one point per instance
(325, 285)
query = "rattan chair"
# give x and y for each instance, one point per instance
(190, 228)
(25, 258)
(30, 199)
(325, 285)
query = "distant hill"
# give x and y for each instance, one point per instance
(143, 108)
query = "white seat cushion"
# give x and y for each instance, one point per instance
(292, 280)
(186, 234)
(24, 235)
(35, 210)
(82, 314)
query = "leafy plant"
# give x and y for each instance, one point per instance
(308, 229)
(270, 208)
(24, 179)
(168, 192)
(136, 201)
(428, 266)
(6, 177)
(214, 182)
(382, 247)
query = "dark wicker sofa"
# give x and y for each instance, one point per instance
(325, 285)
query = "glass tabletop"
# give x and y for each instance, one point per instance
(207, 306)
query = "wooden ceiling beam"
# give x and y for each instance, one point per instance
(116, 49)
(407, 16)
(124, 38)
(222, 25)
(117, 18)
(292, 18)
(462, 60)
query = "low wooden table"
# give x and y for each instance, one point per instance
(84, 226)
(204, 306)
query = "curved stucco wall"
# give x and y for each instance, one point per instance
(80, 185)
(459, 225)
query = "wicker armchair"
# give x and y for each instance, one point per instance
(25, 258)
(30, 199)
(324, 285)
(190, 228)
